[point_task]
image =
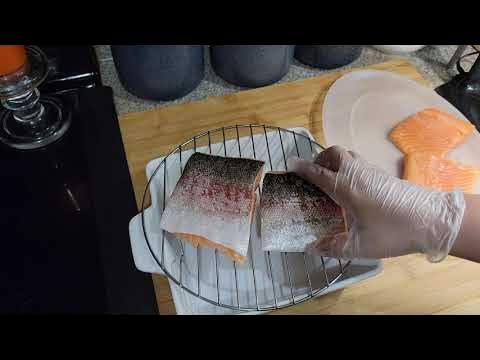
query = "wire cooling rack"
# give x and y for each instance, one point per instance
(267, 280)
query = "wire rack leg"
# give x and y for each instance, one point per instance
(198, 269)
(217, 277)
(325, 272)
(307, 274)
(271, 277)
(289, 276)
(253, 274)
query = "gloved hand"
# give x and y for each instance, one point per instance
(386, 216)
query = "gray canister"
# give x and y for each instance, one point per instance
(327, 56)
(159, 72)
(251, 65)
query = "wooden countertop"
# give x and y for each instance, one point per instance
(407, 285)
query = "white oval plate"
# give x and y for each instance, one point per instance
(398, 49)
(362, 107)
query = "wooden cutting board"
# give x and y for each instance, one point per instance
(407, 285)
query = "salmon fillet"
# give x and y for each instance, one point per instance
(296, 213)
(213, 203)
(439, 174)
(430, 131)
(196, 240)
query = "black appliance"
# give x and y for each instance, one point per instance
(463, 91)
(65, 208)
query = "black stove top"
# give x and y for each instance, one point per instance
(65, 208)
(71, 68)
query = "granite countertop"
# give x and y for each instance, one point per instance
(431, 61)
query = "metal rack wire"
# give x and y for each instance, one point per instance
(276, 301)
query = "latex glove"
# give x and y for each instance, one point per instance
(386, 216)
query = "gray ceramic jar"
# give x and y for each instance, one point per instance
(327, 56)
(251, 65)
(159, 72)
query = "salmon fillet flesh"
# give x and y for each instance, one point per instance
(436, 173)
(430, 131)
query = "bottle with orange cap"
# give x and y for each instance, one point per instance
(12, 58)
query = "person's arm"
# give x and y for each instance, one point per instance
(467, 244)
(387, 216)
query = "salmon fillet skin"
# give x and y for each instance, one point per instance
(296, 213)
(213, 203)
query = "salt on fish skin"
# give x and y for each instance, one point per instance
(213, 203)
(296, 213)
